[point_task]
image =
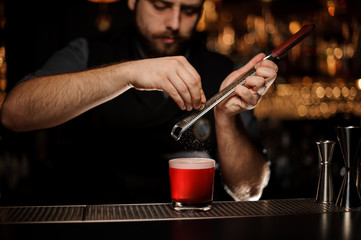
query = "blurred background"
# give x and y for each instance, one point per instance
(317, 89)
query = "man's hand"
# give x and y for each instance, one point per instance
(174, 75)
(247, 96)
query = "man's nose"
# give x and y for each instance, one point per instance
(173, 20)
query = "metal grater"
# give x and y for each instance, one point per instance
(188, 121)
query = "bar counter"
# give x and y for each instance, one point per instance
(265, 219)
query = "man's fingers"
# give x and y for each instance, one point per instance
(179, 84)
(194, 84)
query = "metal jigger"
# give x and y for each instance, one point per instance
(325, 192)
(358, 178)
(349, 139)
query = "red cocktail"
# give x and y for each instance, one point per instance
(191, 183)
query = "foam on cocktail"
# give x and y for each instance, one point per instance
(192, 163)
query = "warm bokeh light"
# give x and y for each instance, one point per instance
(336, 92)
(209, 16)
(294, 27)
(3, 70)
(345, 92)
(338, 53)
(307, 81)
(320, 92)
(358, 83)
(228, 35)
(331, 11)
(331, 65)
(329, 92)
(350, 50)
(310, 99)
(331, 6)
(302, 110)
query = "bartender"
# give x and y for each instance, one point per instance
(108, 105)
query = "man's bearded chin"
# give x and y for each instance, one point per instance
(157, 49)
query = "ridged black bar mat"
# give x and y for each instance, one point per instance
(158, 212)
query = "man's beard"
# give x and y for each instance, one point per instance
(155, 48)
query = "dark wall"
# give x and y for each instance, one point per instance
(35, 29)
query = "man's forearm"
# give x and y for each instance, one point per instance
(49, 101)
(243, 166)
